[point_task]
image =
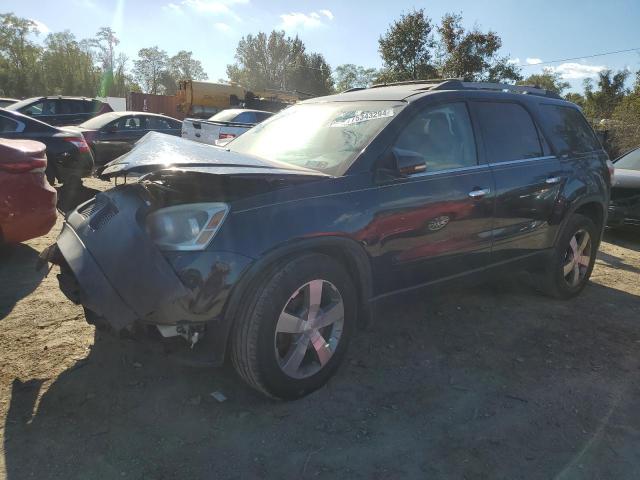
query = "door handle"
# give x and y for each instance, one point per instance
(479, 193)
(553, 180)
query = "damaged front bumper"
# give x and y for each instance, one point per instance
(111, 267)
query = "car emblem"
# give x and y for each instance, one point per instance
(438, 223)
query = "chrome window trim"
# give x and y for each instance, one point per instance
(524, 160)
(448, 170)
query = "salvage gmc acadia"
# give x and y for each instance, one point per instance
(272, 250)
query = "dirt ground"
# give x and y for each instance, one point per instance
(486, 382)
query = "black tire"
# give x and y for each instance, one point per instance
(552, 281)
(254, 344)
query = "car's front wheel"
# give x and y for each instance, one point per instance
(293, 330)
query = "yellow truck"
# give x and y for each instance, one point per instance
(204, 99)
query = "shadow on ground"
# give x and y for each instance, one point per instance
(18, 275)
(489, 382)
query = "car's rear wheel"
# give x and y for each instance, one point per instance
(572, 260)
(294, 329)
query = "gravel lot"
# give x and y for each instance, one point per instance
(485, 382)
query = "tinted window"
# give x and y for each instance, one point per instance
(35, 109)
(570, 132)
(158, 123)
(126, 124)
(442, 135)
(508, 132)
(8, 125)
(70, 107)
(246, 117)
(260, 116)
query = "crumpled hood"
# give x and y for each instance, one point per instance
(158, 151)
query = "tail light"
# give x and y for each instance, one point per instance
(28, 165)
(22, 156)
(226, 136)
(612, 169)
(79, 142)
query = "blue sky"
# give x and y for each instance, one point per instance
(347, 31)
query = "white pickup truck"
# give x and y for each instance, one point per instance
(223, 127)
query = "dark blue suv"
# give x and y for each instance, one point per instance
(271, 249)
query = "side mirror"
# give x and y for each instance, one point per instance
(405, 162)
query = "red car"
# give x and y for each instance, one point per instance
(27, 201)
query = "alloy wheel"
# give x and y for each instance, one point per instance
(577, 258)
(309, 329)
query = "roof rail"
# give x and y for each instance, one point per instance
(428, 81)
(496, 87)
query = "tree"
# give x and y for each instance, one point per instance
(182, 66)
(472, 55)
(611, 90)
(407, 48)
(576, 98)
(66, 68)
(19, 56)
(351, 76)
(149, 69)
(548, 79)
(279, 62)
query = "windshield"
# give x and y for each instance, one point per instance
(321, 136)
(630, 161)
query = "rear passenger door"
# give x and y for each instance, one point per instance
(528, 179)
(434, 224)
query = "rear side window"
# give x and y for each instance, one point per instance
(157, 123)
(570, 132)
(246, 117)
(508, 131)
(8, 125)
(260, 116)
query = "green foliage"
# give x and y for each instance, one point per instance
(576, 98)
(67, 68)
(548, 79)
(351, 76)
(150, 69)
(279, 62)
(407, 48)
(611, 90)
(472, 55)
(411, 50)
(625, 124)
(19, 56)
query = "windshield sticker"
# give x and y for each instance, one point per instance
(349, 118)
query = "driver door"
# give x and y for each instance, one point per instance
(435, 224)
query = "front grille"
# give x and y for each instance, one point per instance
(93, 206)
(102, 216)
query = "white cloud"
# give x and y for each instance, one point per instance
(41, 27)
(298, 20)
(214, 7)
(326, 13)
(533, 61)
(577, 71)
(223, 27)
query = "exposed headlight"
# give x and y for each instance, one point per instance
(186, 227)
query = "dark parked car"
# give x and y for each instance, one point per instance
(60, 110)
(274, 248)
(112, 134)
(5, 102)
(624, 209)
(69, 157)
